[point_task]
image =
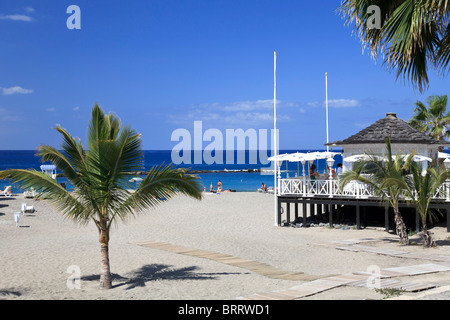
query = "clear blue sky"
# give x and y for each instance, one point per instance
(162, 64)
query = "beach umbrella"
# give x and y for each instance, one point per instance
(360, 157)
(298, 157)
(278, 157)
(443, 155)
(294, 157)
(324, 154)
(356, 157)
(417, 158)
(320, 155)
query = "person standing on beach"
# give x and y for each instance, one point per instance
(219, 186)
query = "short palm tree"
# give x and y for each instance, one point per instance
(100, 176)
(433, 120)
(413, 35)
(421, 189)
(378, 172)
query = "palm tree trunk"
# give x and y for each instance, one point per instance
(400, 227)
(105, 273)
(428, 240)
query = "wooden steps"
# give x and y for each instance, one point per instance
(254, 266)
(317, 284)
(357, 279)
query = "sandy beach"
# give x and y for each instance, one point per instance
(39, 256)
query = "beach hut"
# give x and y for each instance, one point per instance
(404, 140)
(49, 169)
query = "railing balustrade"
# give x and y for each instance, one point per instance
(330, 188)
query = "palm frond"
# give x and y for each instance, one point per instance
(162, 182)
(47, 188)
(414, 35)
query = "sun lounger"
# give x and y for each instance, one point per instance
(6, 192)
(27, 209)
(29, 194)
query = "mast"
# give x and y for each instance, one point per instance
(275, 163)
(326, 104)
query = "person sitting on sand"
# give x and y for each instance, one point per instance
(211, 188)
(312, 172)
(263, 187)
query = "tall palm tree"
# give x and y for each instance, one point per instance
(99, 176)
(433, 120)
(378, 172)
(413, 35)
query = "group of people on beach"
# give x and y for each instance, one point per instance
(219, 188)
(313, 174)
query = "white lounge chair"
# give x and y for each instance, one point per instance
(27, 209)
(6, 192)
(29, 193)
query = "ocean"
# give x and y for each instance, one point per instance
(238, 176)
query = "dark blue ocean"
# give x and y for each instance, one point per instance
(239, 181)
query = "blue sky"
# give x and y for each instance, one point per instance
(160, 65)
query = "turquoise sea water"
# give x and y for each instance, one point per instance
(239, 181)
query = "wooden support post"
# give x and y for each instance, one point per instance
(288, 212)
(312, 211)
(331, 209)
(364, 216)
(304, 214)
(448, 220)
(417, 220)
(319, 210)
(358, 218)
(296, 211)
(279, 211)
(386, 219)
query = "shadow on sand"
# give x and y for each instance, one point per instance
(153, 272)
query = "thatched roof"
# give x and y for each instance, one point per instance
(398, 130)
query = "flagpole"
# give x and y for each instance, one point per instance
(275, 162)
(326, 104)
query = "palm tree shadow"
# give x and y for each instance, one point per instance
(10, 292)
(153, 272)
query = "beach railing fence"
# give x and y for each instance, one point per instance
(331, 188)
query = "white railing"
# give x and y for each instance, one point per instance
(330, 188)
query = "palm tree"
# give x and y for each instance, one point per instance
(434, 119)
(99, 175)
(422, 188)
(413, 35)
(378, 172)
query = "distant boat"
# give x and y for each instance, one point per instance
(137, 179)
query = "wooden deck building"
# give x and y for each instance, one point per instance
(325, 199)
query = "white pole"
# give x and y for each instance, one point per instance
(326, 104)
(275, 163)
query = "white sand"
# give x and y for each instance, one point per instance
(35, 257)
